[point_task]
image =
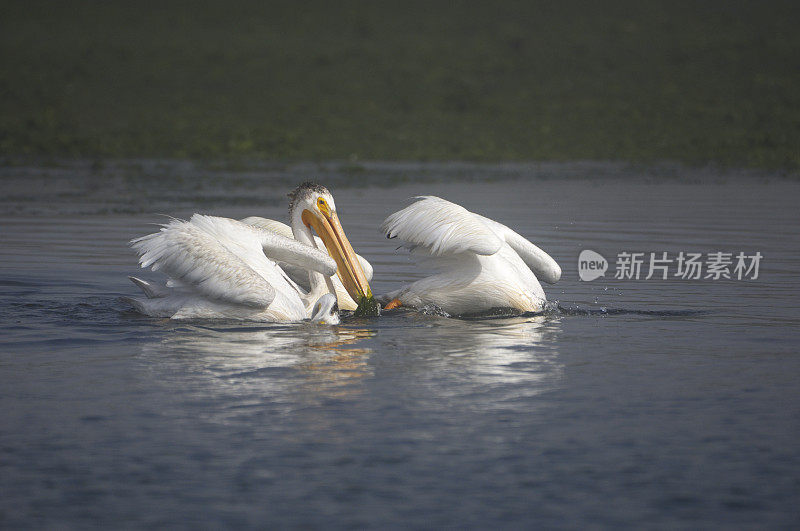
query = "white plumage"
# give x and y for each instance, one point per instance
(218, 268)
(480, 264)
(223, 268)
(298, 274)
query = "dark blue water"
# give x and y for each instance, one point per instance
(633, 403)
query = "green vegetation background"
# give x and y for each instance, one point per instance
(626, 80)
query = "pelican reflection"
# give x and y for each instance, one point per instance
(492, 362)
(429, 361)
(258, 364)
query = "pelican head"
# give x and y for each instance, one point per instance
(312, 206)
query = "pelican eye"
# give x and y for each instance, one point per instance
(322, 205)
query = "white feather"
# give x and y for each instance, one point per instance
(286, 231)
(150, 291)
(193, 253)
(299, 274)
(541, 263)
(480, 264)
(269, 225)
(274, 246)
(442, 227)
(223, 268)
(219, 267)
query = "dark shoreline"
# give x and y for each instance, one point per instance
(716, 82)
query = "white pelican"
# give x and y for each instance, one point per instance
(480, 264)
(223, 268)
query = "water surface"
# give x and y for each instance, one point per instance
(640, 403)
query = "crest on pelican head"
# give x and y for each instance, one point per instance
(305, 189)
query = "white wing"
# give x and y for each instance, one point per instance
(270, 225)
(441, 227)
(224, 259)
(285, 230)
(275, 246)
(197, 259)
(541, 263)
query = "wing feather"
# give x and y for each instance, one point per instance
(285, 230)
(541, 263)
(269, 225)
(274, 245)
(441, 227)
(191, 255)
(291, 251)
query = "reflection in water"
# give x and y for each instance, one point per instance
(496, 363)
(493, 362)
(408, 417)
(518, 351)
(246, 366)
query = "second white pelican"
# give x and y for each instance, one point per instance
(480, 264)
(223, 268)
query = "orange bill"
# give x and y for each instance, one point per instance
(348, 268)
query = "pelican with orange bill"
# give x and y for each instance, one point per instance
(257, 269)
